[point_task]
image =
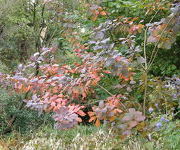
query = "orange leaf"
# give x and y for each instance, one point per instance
(100, 9)
(92, 119)
(98, 123)
(94, 18)
(118, 111)
(79, 119)
(103, 13)
(112, 118)
(91, 113)
(55, 108)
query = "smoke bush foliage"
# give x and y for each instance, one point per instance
(121, 49)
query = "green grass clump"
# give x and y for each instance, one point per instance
(80, 138)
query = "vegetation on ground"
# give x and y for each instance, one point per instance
(79, 74)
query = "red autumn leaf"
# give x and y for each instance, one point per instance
(53, 104)
(81, 113)
(79, 119)
(107, 71)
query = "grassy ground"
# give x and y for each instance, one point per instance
(79, 138)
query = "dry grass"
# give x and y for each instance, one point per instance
(80, 138)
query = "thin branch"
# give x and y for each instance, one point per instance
(105, 90)
(145, 92)
(145, 41)
(111, 95)
(155, 48)
(144, 49)
(146, 65)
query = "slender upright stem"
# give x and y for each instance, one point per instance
(145, 72)
(145, 91)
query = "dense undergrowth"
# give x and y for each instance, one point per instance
(68, 66)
